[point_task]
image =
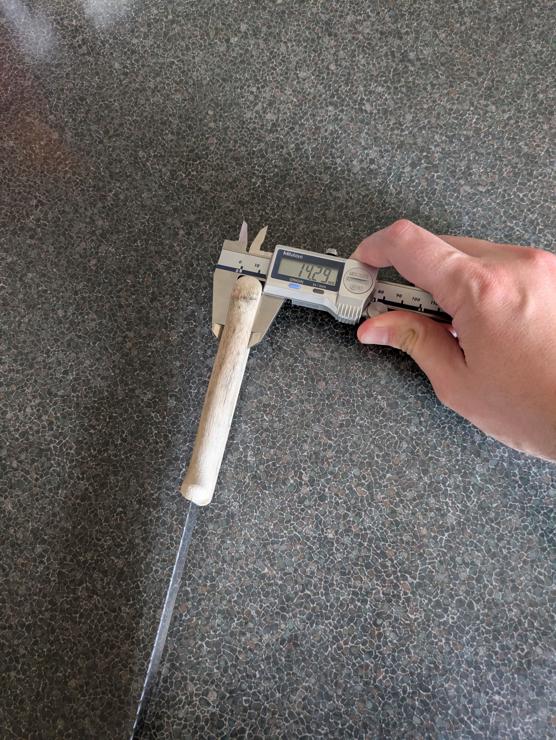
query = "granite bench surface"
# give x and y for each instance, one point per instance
(371, 565)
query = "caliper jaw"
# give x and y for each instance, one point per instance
(235, 260)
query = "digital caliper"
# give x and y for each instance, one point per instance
(345, 288)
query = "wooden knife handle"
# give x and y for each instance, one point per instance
(223, 390)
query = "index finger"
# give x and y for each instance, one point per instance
(420, 256)
(482, 247)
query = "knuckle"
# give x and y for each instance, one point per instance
(400, 226)
(484, 282)
(540, 259)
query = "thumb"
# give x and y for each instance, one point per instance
(428, 342)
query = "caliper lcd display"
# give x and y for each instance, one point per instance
(308, 269)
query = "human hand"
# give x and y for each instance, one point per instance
(499, 371)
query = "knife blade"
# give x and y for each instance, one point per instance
(165, 620)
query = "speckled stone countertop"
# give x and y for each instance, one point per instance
(371, 566)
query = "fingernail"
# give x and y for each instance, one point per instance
(374, 335)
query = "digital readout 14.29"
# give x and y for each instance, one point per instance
(309, 271)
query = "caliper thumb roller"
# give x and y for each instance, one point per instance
(222, 393)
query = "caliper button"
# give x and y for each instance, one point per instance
(357, 280)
